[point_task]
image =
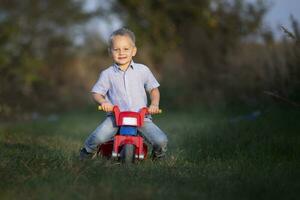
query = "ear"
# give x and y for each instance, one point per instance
(134, 51)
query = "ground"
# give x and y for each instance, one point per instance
(212, 154)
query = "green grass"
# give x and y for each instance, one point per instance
(209, 157)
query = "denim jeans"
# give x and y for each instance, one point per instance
(107, 129)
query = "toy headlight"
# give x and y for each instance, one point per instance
(130, 121)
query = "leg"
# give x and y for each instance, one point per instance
(103, 133)
(156, 137)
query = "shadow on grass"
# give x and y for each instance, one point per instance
(258, 159)
(272, 138)
(21, 159)
(33, 171)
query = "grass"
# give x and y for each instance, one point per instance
(210, 157)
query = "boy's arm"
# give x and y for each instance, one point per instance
(100, 99)
(154, 97)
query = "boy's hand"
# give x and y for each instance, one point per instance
(153, 109)
(107, 107)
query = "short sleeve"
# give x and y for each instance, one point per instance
(151, 81)
(102, 85)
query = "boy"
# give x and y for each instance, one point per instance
(125, 84)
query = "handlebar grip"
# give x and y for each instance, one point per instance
(100, 108)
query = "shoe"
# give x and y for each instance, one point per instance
(157, 155)
(84, 155)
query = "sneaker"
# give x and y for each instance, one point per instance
(157, 155)
(84, 154)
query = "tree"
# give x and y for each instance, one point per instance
(35, 45)
(203, 33)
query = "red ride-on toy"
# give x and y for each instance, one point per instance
(127, 145)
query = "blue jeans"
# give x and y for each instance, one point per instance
(107, 129)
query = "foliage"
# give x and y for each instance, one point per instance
(208, 51)
(36, 50)
(169, 24)
(291, 87)
(198, 36)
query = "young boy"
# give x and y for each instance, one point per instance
(125, 84)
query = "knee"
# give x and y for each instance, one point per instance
(98, 137)
(102, 138)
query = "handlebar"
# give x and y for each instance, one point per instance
(159, 111)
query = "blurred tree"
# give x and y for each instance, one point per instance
(35, 45)
(290, 84)
(169, 24)
(203, 33)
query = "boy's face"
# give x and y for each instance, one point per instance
(122, 50)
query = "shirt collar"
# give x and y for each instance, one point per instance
(117, 67)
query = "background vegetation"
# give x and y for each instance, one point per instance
(201, 51)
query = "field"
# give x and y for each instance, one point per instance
(212, 154)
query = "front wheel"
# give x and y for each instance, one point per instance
(128, 153)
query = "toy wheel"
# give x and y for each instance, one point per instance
(127, 154)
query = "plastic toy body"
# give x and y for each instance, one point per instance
(127, 145)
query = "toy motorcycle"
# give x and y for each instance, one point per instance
(127, 145)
